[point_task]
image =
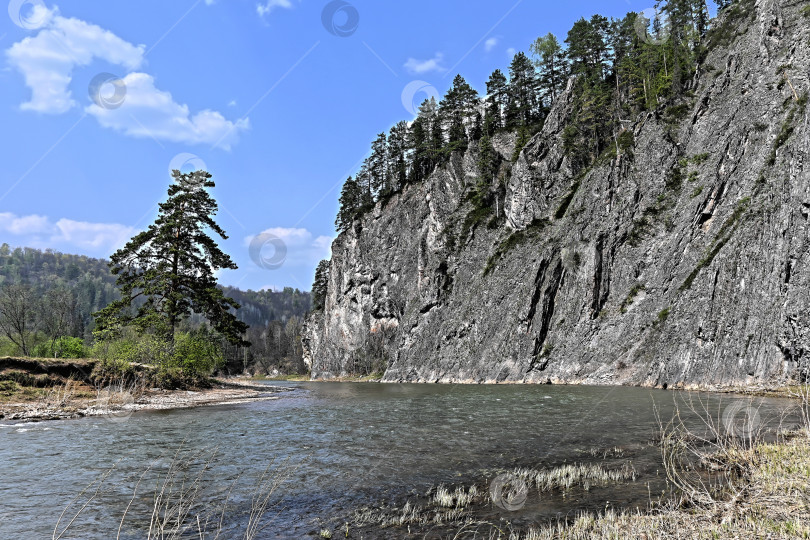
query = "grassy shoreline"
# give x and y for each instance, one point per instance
(38, 389)
(768, 498)
(773, 505)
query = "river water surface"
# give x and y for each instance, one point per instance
(340, 445)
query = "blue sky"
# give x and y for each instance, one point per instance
(278, 99)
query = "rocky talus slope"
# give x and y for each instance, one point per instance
(680, 260)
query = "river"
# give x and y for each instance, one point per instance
(338, 446)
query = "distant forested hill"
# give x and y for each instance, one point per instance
(267, 312)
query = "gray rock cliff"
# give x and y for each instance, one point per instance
(682, 260)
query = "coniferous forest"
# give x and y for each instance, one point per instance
(616, 68)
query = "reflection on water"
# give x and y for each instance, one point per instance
(346, 445)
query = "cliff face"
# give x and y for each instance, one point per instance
(683, 259)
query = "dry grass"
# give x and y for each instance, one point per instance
(57, 397)
(776, 505)
(575, 475)
(456, 506)
(181, 504)
(732, 484)
(459, 498)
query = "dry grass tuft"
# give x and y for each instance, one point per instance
(181, 504)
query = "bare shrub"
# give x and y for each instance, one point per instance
(59, 396)
(711, 466)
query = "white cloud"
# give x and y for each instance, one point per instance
(511, 52)
(92, 235)
(303, 248)
(48, 60)
(32, 224)
(149, 112)
(267, 7)
(490, 44)
(424, 66)
(41, 231)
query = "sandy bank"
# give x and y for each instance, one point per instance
(79, 401)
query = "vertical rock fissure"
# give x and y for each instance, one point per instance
(538, 289)
(549, 298)
(596, 306)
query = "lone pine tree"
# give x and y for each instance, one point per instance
(169, 268)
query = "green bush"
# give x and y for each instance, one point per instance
(628, 301)
(130, 347)
(188, 361)
(784, 134)
(42, 350)
(197, 353)
(513, 240)
(63, 347)
(171, 378)
(663, 315)
(699, 159)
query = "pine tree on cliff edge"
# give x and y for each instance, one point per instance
(171, 267)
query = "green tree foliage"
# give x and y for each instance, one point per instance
(620, 67)
(551, 66)
(376, 166)
(457, 114)
(171, 267)
(418, 144)
(497, 90)
(397, 166)
(489, 161)
(351, 204)
(523, 104)
(320, 285)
